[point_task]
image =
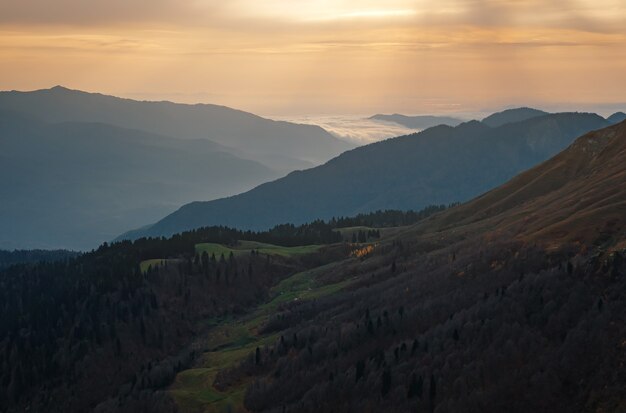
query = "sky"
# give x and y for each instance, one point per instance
(303, 57)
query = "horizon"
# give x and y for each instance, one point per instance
(361, 129)
(347, 57)
(603, 109)
(313, 206)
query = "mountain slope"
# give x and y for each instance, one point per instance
(577, 196)
(438, 166)
(476, 309)
(512, 115)
(281, 145)
(75, 185)
(418, 122)
(511, 302)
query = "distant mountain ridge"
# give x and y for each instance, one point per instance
(280, 145)
(419, 121)
(512, 115)
(75, 184)
(437, 166)
(617, 117)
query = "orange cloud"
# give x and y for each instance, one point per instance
(322, 56)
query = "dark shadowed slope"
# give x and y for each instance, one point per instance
(418, 122)
(75, 185)
(438, 166)
(511, 116)
(280, 145)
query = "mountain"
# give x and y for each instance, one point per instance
(75, 185)
(617, 117)
(513, 301)
(512, 115)
(418, 122)
(546, 203)
(495, 120)
(282, 146)
(440, 165)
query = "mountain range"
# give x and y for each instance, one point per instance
(512, 301)
(419, 121)
(494, 120)
(75, 185)
(80, 168)
(282, 146)
(440, 165)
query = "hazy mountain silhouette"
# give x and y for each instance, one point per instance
(281, 145)
(75, 185)
(511, 116)
(437, 166)
(418, 122)
(617, 117)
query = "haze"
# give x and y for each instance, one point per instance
(315, 56)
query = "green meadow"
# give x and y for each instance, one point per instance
(246, 247)
(232, 340)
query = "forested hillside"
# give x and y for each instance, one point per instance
(518, 307)
(118, 322)
(8, 258)
(512, 301)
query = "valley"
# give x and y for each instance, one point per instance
(355, 206)
(516, 294)
(443, 319)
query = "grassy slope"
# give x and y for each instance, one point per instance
(346, 232)
(245, 247)
(151, 263)
(232, 340)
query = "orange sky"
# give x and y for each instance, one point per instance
(318, 56)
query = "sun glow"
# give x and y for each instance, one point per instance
(322, 56)
(364, 14)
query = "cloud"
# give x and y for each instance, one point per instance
(311, 56)
(90, 12)
(356, 129)
(321, 15)
(581, 15)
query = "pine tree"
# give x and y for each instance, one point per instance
(433, 392)
(415, 386)
(386, 382)
(360, 369)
